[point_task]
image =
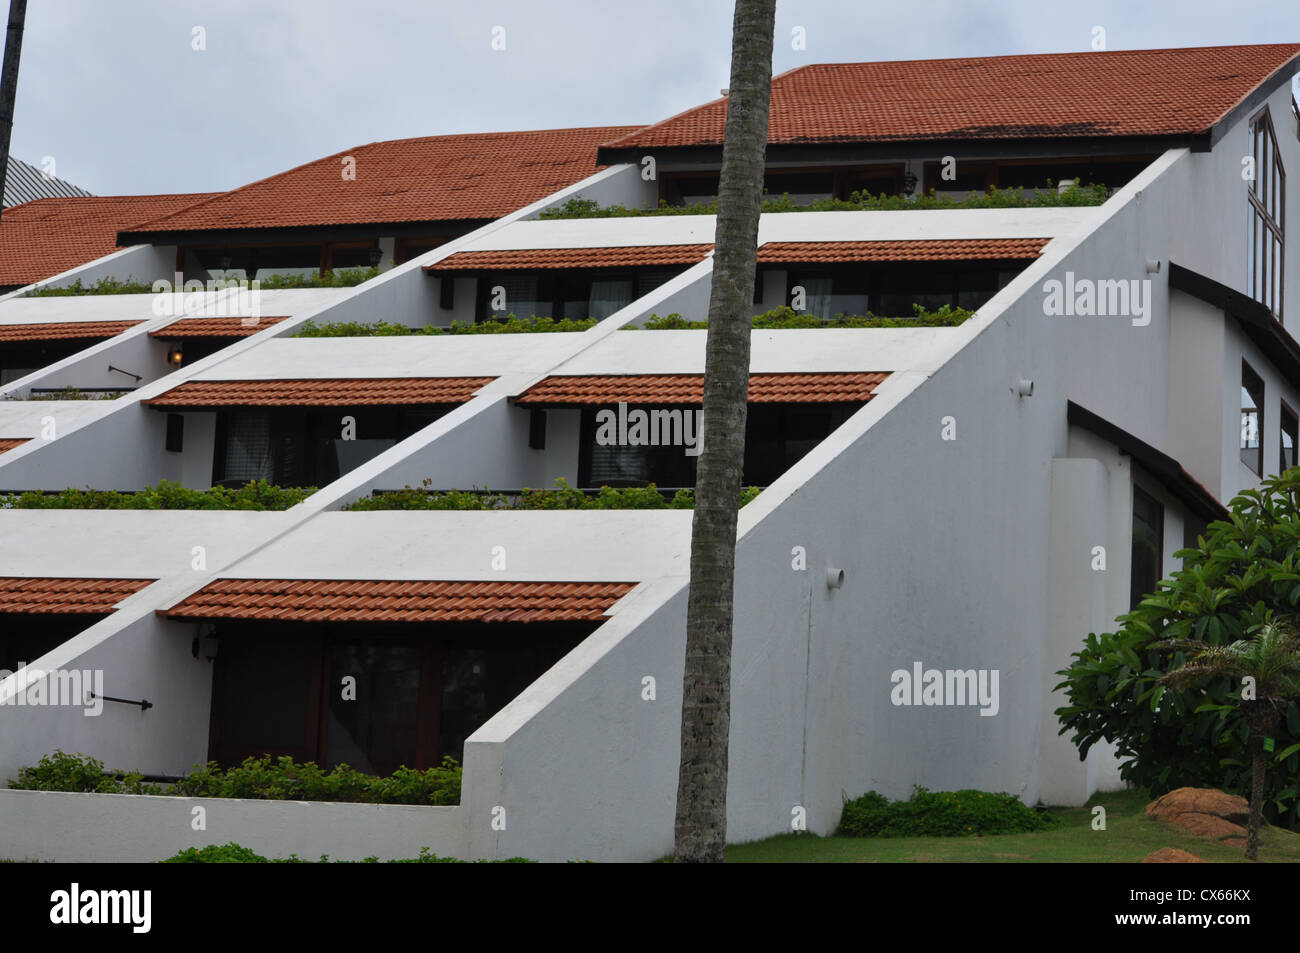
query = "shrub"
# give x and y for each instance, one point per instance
(785, 318)
(281, 779)
(512, 325)
(73, 393)
(233, 853)
(254, 495)
(562, 497)
(104, 286)
(940, 814)
(1074, 195)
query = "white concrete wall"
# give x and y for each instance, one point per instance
(59, 827)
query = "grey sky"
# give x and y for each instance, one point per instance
(114, 91)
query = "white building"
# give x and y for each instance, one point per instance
(934, 497)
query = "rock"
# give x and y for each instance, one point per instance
(1205, 812)
(1171, 855)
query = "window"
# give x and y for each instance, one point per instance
(1267, 195)
(1252, 419)
(575, 294)
(1148, 548)
(892, 291)
(1288, 432)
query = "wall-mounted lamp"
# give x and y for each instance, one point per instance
(909, 182)
(175, 354)
(834, 577)
(1153, 266)
(1024, 387)
(205, 643)
(375, 254)
(225, 262)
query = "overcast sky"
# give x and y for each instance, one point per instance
(116, 93)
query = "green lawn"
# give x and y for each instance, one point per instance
(1129, 836)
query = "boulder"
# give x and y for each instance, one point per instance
(1204, 812)
(1171, 855)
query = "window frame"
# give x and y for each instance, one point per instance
(1247, 373)
(1140, 494)
(1266, 277)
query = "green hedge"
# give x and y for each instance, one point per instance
(73, 393)
(339, 278)
(1075, 195)
(563, 497)
(255, 495)
(940, 814)
(785, 318)
(233, 853)
(281, 779)
(512, 325)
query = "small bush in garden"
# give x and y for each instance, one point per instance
(78, 773)
(940, 814)
(230, 853)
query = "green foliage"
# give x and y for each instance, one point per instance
(940, 814)
(786, 318)
(104, 286)
(1243, 572)
(255, 495)
(73, 393)
(562, 497)
(233, 853)
(338, 278)
(512, 325)
(69, 772)
(281, 779)
(1074, 195)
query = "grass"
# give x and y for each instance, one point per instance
(1129, 836)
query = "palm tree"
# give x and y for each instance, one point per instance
(1271, 658)
(9, 82)
(700, 833)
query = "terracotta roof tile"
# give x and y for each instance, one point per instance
(319, 600)
(689, 389)
(190, 328)
(435, 178)
(49, 236)
(33, 594)
(340, 392)
(9, 443)
(1054, 95)
(624, 257)
(63, 331)
(955, 249)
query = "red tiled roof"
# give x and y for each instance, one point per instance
(189, 328)
(330, 392)
(49, 236)
(625, 257)
(33, 594)
(435, 178)
(689, 389)
(9, 443)
(323, 600)
(63, 331)
(955, 249)
(1053, 95)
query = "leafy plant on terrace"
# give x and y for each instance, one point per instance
(1018, 197)
(262, 778)
(512, 325)
(338, 278)
(786, 318)
(104, 286)
(563, 497)
(255, 495)
(73, 393)
(232, 853)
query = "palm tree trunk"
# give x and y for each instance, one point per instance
(701, 824)
(1257, 765)
(9, 83)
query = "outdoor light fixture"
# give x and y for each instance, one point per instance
(834, 577)
(375, 254)
(1024, 387)
(225, 262)
(1153, 266)
(205, 641)
(909, 182)
(175, 354)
